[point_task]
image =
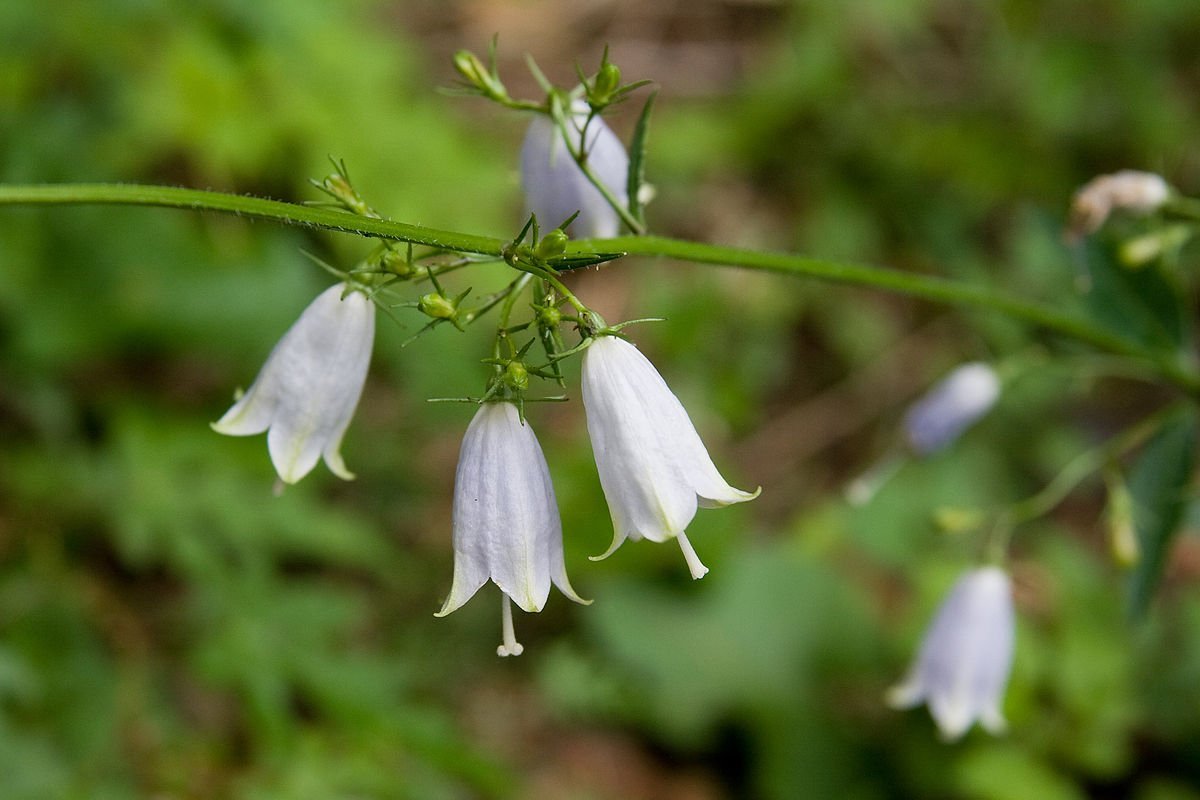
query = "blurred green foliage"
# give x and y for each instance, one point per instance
(169, 628)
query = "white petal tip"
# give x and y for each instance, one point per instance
(335, 462)
(902, 697)
(617, 541)
(729, 497)
(449, 607)
(226, 429)
(290, 477)
(994, 722)
(952, 733)
(570, 594)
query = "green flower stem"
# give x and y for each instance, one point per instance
(1086, 464)
(581, 160)
(940, 290)
(244, 206)
(950, 292)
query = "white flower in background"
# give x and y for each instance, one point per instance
(953, 405)
(306, 393)
(555, 187)
(964, 662)
(1128, 190)
(653, 467)
(505, 519)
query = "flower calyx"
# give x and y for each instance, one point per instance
(605, 88)
(478, 79)
(339, 187)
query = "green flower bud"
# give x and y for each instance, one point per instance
(957, 519)
(549, 317)
(340, 188)
(608, 80)
(1122, 536)
(477, 75)
(437, 306)
(552, 244)
(1141, 250)
(395, 262)
(516, 376)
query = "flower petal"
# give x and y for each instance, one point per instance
(506, 523)
(309, 386)
(556, 188)
(956, 403)
(633, 427)
(964, 661)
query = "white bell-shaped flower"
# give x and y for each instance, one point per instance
(306, 393)
(653, 467)
(505, 519)
(555, 187)
(957, 402)
(963, 666)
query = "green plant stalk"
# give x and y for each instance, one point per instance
(941, 290)
(581, 160)
(1086, 464)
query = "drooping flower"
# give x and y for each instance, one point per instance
(963, 666)
(307, 391)
(653, 467)
(957, 402)
(505, 519)
(1127, 190)
(555, 187)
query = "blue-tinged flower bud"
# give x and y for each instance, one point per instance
(306, 393)
(555, 187)
(963, 666)
(953, 405)
(654, 470)
(506, 526)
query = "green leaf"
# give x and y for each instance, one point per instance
(1143, 305)
(1158, 484)
(637, 161)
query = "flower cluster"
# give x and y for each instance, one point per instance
(653, 468)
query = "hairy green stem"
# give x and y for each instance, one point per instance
(942, 290)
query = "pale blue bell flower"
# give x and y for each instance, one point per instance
(505, 520)
(963, 665)
(654, 470)
(306, 392)
(956, 403)
(555, 187)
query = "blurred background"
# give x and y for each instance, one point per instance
(170, 629)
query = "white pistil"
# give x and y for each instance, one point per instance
(697, 568)
(511, 646)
